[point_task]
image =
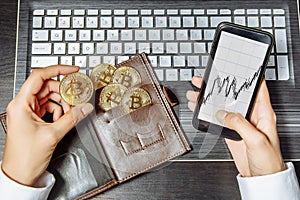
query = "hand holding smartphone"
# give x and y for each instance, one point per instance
(236, 66)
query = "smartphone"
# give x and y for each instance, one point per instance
(236, 66)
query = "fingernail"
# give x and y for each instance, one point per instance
(220, 115)
(87, 108)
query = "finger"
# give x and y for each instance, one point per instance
(237, 122)
(197, 81)
(71, 118)
(53, 108)
(37, 78)
(49, 86)
(191, 105)
(192, 96)
(57, 98)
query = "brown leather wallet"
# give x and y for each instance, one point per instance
(110, 147)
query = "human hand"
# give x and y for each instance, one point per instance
(30, 141)
(259, 151)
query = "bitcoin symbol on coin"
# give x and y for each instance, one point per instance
(127, 76)
(111, 96)
(76, 88)
(134, 99)
(102, 74)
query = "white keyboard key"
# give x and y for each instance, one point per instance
(278, 11)
(266, 21)
(193, 61)
(119, 22)
(154, 35)
(188, 22)
(40, 35)
(106, 12)
(105, 22)
(172, 12)
(50, 22)
(98, 35)
(38, 12)
(37, 22)
(252, 11)
(133, 22)
(280, 39)
(112, 35)
(132, 12)
(73, 48)
(199, 72)
(146, 12)
(65, 12)
(93, 12)
(80, 61)
(66, 60)
(59, 48)
(165, 61)
(240, 20)
(126, 35)
(199, 47)
(196, 34)
(171, 74)
(214, 21)
(43, 61)
(270, 74)
(102, 48)
(159, 12)
(70, 35)
(41, 48)
(204, 60)
(209, 34)
(239, 12)
(130, 48)
(159, 74)
(109, 60)
(212, 11)
(185, 74)
(78, 22)
(253, 22)
(225, 12)
(209, 46)
(122, 58)
(168, 35)
(202, 21)
(140, 35)
(84, 35)
(178, 61)
(147, 22)
(92, 22)
(198, 11)
(279, 21)
(265, 11)
(185, 47)
(172, 48)
(160, 22)
(144, 47)
(56, 35)
(182, 34)
(64, 22)
(271, 61)
(94, 61)
(116, 48)
(153, 60)
(175, 22)
(52, 12)
(158, 48)
(283, 68)
(185, 12)
(88, 48)
(119, 12)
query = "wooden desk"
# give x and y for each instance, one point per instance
(180, 180)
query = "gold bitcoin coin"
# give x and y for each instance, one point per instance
(102, 74)
(76, 88)
(127, 76)
(111, 96)
(135, 98)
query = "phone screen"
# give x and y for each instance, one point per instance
(235, 70)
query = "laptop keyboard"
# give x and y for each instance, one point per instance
(177, 41)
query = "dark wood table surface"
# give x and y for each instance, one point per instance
(180, 180)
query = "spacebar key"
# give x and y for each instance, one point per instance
(43, 61)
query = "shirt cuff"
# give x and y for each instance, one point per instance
(12, 190)
(281, 185)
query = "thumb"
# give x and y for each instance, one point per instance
(71, 118)
(237, 122)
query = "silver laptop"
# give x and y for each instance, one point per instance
(177, 37)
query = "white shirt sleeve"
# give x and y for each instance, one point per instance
(278, 186)
(11, 190)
